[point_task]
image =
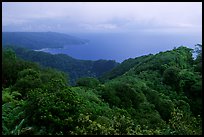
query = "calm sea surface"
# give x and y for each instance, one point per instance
(123, 46)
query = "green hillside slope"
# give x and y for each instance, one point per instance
(73, 67)
(155, 95)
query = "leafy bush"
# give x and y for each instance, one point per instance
(171, 77)
(54, 110)
(184, 124)
(87, 82)
(12, 117)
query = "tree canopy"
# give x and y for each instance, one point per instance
(157, 94)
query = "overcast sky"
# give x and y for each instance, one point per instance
(165, 17)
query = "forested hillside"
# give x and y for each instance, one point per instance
(40, 40)
(74, 68)
(157, 94)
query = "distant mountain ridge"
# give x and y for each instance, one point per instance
(40, 40)
(75, 68)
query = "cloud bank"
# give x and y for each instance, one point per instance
(168, 17)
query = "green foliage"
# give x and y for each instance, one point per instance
(9, 54)
(180, 58)
(11, 66)
(73, 67)
(6, 96)
(9, 96)
(129, 96)
(89, 127)
(147, 115)
(187, 79)
(184, 124)
(28, 79)
(8, 61)
(125, 66)
(162, 105)
(17, 129)
(119, 125)
(171, 77)
(12, 116)
(88, 82)
(191, 83)
(198, 60)
(123, 95)
(52, 109)
(102, 66)
(165, 107)
(153, 95)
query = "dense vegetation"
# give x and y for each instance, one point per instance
(155, 95)
(40, 40)
(73, 67)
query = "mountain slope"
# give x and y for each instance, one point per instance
(73, 67)
(180, 57)
(172, 74)
(39, 40)
(160, 95)
(125, 66)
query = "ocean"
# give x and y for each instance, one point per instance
(121, 46)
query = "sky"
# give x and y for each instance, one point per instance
(161, 17)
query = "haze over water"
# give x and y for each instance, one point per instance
(123, 46)
(115, 30)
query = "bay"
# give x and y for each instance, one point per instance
(121, 46)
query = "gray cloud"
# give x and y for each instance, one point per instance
(102, 17)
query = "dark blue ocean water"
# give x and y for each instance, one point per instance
(119, 47)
